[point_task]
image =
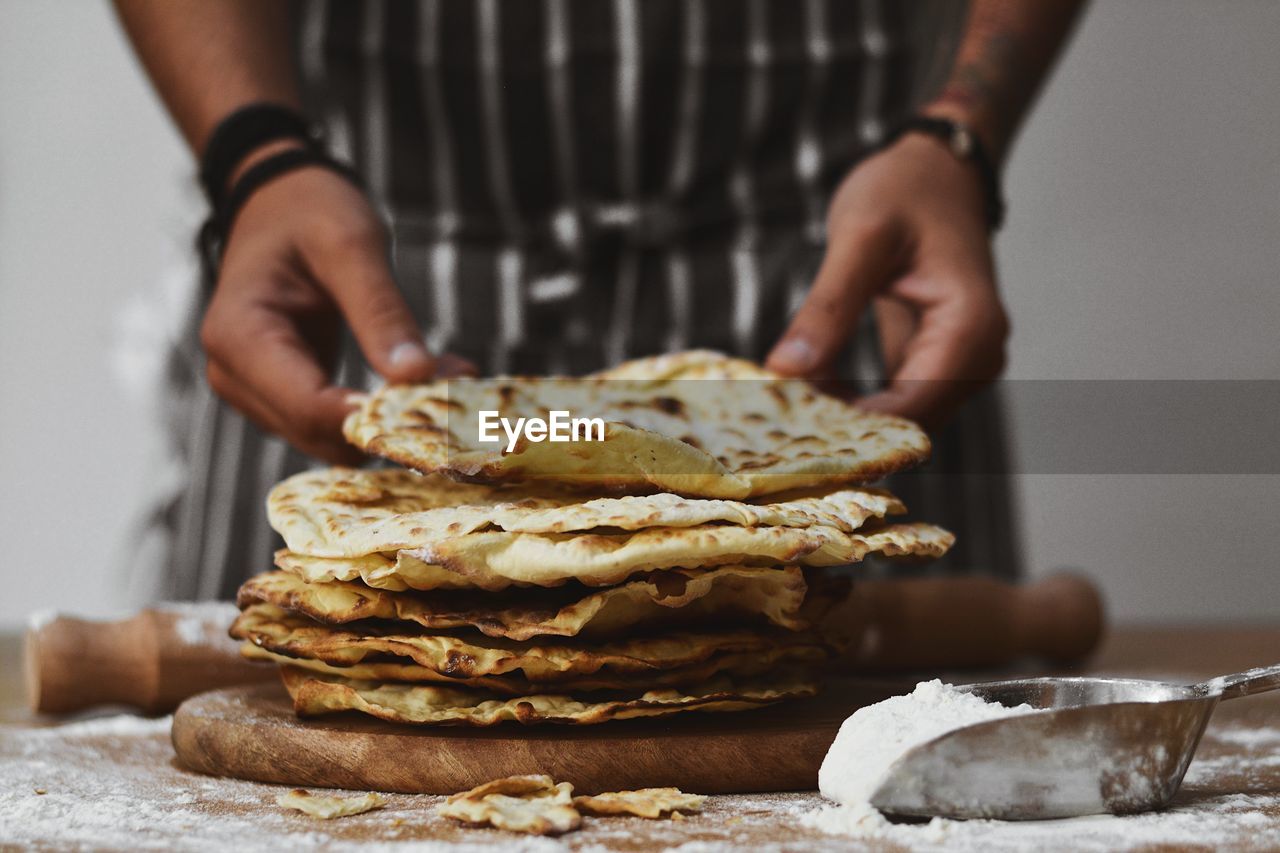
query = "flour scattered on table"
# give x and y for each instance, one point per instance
(1249, 737)
(1235, 820)
(112, 783)
(871, 740)
(862, 820)
(117, 725)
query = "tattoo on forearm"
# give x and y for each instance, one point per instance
(1007, 48)
(995, 80)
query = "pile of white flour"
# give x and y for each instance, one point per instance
(871, 740)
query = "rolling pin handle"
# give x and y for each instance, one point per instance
(72, 664)
(1061, 617)
(151, 661)
(955, 622)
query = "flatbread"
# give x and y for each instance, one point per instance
(646, 802)
(732, 594)
(695, 423)
(536, 805)
(506, 685)
(329, 807)
(496, 560)
(287, 634)
(379, 571)
(734, 665)
(343, 512)
(315, 694)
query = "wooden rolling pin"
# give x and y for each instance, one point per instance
(952, 623)
(151, 661)
(161, 656)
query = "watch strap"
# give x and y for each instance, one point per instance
(240, 134)
(965, 144)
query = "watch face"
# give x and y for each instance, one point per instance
(961, 141)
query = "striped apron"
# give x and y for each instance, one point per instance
(571, 183)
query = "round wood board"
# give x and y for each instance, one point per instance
(251, 733)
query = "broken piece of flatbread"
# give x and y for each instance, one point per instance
(695, 423)
(443, 656)
(327, 807)
(496, 560)
(679, 597)
(315, 694)
(344, 512)
(645, 802)
(530, 804)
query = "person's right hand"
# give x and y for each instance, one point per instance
(305, 252)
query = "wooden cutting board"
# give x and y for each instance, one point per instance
(251, 733)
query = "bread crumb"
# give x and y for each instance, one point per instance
(646, 802)
(328, 808)
(536, 805)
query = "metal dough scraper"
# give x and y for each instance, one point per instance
(1102, 745)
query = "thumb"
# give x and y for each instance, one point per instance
(359, 279)
(856, 266)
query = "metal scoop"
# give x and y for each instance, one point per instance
(1103, 745)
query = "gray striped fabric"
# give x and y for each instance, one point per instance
(570, 183)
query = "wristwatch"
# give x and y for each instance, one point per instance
(965, 145)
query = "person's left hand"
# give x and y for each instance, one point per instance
(906, 230)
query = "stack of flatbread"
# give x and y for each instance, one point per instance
(675, 565)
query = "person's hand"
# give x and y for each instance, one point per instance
(906, 232)
(306, 252)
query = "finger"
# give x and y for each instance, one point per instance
(358, 277)
(895, 325)
(449, 366)
(856, 265)
(957, 349)
(266, 369)
(253, 407)
(242, 399)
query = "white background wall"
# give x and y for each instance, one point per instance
(1144, 242)
(92, 182)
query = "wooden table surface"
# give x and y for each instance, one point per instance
(111, 783)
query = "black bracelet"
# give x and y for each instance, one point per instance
(966, 145)
(213, 235)
(242, 132)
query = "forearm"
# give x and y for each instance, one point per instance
(208, 57)
(1005, 53)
